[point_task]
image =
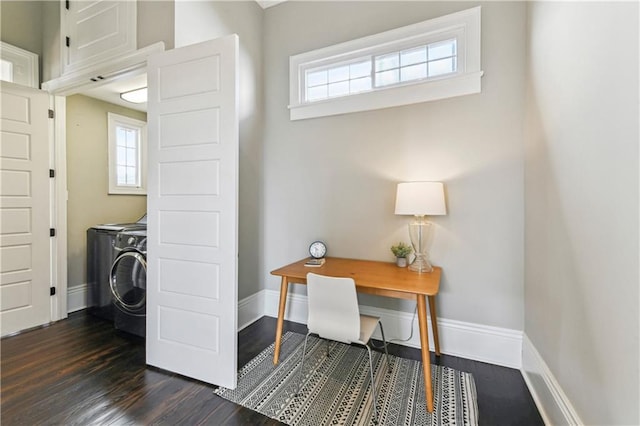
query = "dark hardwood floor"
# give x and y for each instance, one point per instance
(80, 371)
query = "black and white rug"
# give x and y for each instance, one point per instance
(336, 390)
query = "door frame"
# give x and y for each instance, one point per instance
(59, 88)
(58, 213)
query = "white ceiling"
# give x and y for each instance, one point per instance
(110, 92)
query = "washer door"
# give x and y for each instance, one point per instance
(128, 281)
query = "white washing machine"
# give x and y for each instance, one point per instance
(128, 281)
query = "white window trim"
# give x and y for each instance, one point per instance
(466, 25)
(113, 121)
(22, 60)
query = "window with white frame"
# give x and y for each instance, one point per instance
(434, 59)
(18, 66)
(127, 155)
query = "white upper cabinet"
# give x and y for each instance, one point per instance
(96, 31)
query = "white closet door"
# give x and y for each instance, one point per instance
(24, 208)
(97, 30)
(192, 207)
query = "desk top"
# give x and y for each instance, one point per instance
(376, 277)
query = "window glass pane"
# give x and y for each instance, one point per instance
(338, 74)
(121, 136)
(338, 89)
(6, 70)
(317, 93)
(443, 66)
(132, 138)
(316, 78)
(413, 56)
(361, 69)
(122, 175)
(385, 62)
(442, 49)
(387, 77)
(360, 85)
(131, 176)
(132, 156)
(122, 155)
(414, 72)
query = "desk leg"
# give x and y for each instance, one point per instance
(434, 323)
(424, 344)
(283, 302)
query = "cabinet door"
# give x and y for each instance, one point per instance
(96, 31)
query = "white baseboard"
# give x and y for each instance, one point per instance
(553, 404)
(250, 309)
(76, 298)
(494, 345)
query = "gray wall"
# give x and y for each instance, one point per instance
(581, 279)
(334, 178)
(18, 19)
(156, 22)
(200, 21)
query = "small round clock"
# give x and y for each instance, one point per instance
(317, 249)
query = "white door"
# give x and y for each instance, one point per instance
(97, 30)
(24, 208)
(192, 209)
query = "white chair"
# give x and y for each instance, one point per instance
(334, 315)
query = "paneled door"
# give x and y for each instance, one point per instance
(96, 30)
(24, 208)
(192, 209)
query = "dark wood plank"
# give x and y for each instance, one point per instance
(82, 371)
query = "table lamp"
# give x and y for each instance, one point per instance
(420, 199)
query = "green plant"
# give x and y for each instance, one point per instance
(401, 249)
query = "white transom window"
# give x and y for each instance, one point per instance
(18, 66)
(127, 155)
(434, 59)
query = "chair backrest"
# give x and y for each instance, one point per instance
(333, 308)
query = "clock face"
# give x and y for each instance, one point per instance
(317, 249)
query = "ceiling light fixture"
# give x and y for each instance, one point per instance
(137, 96)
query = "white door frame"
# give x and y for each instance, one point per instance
(69, 84)
(59, 197)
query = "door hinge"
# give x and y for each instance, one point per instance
(52, 232)
(52, 173)
(68, 41)
(52, 114)
(52, 291)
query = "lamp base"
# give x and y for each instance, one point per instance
(421, 264)
(420, 233)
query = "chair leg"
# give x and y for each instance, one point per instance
(328, 348)
(304, 350)
(384, 342)
(373, 388)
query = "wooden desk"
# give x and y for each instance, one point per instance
(379, 278)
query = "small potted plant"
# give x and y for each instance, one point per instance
(401, 251)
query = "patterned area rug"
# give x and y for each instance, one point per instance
(336, 390)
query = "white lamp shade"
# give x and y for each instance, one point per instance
(420, 199)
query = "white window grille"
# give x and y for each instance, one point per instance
(430, 60)
(127, 155)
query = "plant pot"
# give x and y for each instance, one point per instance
(401, 262)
